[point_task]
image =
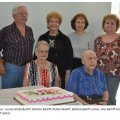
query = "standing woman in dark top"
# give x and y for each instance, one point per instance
(60, 52)
(16, 41)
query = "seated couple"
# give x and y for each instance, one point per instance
(88, 82)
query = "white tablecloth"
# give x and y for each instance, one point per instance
(7, 95)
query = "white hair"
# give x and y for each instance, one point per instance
(87, 52)
(14, 10)
(42, 42)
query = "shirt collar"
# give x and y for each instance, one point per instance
(85, 72)
(14, 27)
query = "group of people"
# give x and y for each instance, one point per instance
(64, 61)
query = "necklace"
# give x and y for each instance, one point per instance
(52, 39)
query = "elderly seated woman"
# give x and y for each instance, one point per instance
(41, 71)
(88, 82)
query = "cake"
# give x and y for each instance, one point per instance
(44, 96)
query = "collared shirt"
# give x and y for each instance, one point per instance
(16, 48)
(84, 84)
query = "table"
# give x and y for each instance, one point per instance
(7, 95)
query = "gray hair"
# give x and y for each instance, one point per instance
(42, 42)
(86, 52)
(14, 10)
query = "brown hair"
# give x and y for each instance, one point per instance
(113, 17)
(76, 17)
(54, 14)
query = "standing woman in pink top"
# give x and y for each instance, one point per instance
(107, 47)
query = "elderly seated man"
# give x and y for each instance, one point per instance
(88, 82)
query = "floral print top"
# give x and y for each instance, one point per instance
(108, 55)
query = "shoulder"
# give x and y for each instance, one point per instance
(6, 28)
(99, 71)
(77, 71)
(52, 64)
(62, 35)
(28, 27)
(44, 36)
(71, 34)
(118, 38)
(97, 39)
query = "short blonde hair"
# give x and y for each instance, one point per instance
(113, 17)
(54, 14)
(42, 42)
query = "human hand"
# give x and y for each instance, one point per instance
(103, 103)
(2, 67)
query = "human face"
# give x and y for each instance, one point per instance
(90, 61)
(80, 24)
(21, 16)
(53, 24)
(110, 26)
(42, 52)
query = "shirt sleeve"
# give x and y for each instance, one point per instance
(104, 82)
(72, 82)
(69, 53)
(2, 40)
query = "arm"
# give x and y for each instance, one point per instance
(77, 98)
(69, 54)
(26, 80)
(58, 79)
(2, 67)
(67, 76)
(105, 97)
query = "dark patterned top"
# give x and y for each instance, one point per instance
(108, 55)
(38, 76)
(16, 48)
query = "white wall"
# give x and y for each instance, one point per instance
(38, 11)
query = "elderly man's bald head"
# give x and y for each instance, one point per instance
(89, 60)
(88, 53)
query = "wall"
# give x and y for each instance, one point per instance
(38, 11)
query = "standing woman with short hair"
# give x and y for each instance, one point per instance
(60, 52)
(107, 47)
(80, 38)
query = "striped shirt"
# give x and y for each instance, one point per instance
(41, 76)
(16, 48)
(83, 84)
